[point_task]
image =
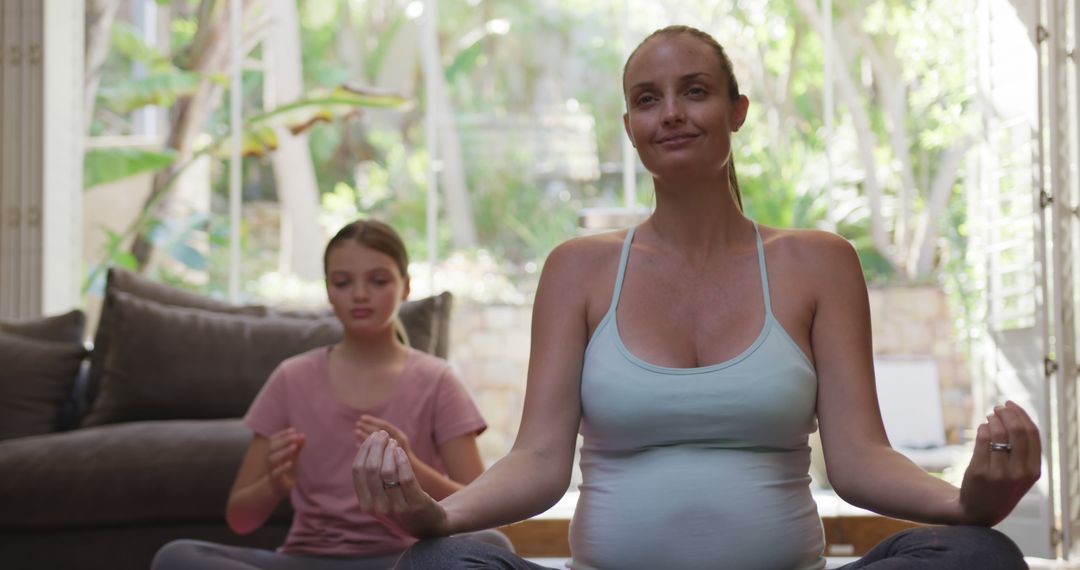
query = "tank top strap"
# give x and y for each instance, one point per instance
(622, 270)
(764, 274)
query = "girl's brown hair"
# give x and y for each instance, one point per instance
(381, 238)
(725, 68)
(375, 235)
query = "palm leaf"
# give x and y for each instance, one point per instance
(341, 104)
(102, 165)
(161, 88)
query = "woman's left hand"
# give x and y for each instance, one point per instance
(368, 425)
(387, 487)
(996, 479)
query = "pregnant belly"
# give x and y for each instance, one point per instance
(677, 508)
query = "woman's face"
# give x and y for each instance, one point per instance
(679, 115)
(364, 287)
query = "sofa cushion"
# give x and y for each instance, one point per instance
(167, 362)
(68, 327)
(120, 280)
(428, 320)
(142, 473)
(216, 375)
(35, 381)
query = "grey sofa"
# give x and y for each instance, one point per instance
(107, 455)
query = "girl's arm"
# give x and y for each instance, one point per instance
(536, 471)
(266, 476)
(862, 466)
(461, 457)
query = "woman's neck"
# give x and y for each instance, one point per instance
(698, 219)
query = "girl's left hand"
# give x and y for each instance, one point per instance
(368, 425)
(996, 480)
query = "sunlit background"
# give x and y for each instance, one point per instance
(939, 137)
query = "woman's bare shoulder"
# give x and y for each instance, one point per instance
(585, 255)
(808, 248)
(580, 272)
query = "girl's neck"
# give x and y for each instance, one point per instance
(371, 351)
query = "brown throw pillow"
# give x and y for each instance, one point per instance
(166, 362)
(67, 327)
(135, 284)
(35, 380)
(427, 322)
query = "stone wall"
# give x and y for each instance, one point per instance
(490, 349)
(915, 321)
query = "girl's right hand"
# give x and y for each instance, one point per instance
(282, 456)
(387, 487)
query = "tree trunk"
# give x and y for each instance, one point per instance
(397, 74)
(867, 141)
(924, 241)
(298, 194)
(888, 75)
(100, 15)
(456, 194)
(208, 54)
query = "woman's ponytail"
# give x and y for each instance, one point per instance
(733, 183)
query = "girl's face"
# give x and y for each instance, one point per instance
(364, 287)
(679, 114)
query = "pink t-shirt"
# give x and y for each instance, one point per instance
(429, 405)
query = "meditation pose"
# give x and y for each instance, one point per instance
(696, 352)
(317, 408)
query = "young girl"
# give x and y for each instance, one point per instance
(319, 406)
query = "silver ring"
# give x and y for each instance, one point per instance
(390, 484)
(997, 446)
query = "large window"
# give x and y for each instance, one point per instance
(506, 116)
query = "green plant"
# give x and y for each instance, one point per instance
(259, 137)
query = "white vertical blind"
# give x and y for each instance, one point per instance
(40, 77)
(1009, 246)
(1062, 232)
(10, 199)
(31, 167)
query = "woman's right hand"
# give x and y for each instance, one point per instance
(282, 456)
(387, 487)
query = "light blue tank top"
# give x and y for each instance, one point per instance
(696, 468)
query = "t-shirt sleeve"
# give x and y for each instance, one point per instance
(268, 413)
(455, 413)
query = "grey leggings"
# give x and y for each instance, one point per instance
(200, 555)
(937, 548)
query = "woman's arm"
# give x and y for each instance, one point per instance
(536, 471)
(460, 456)
(862, 466)
(266, 476)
